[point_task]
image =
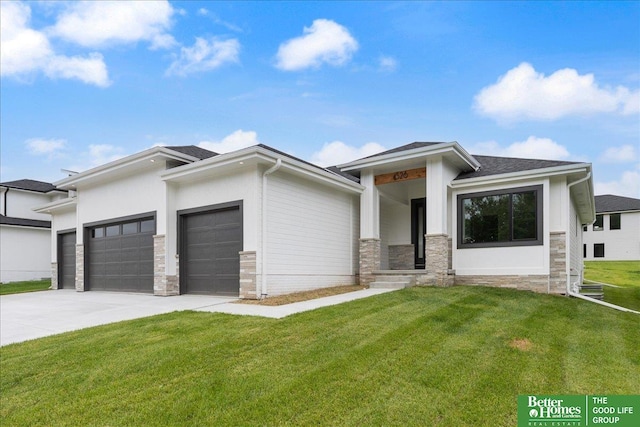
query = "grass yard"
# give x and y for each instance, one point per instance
(625, 274)
(28, 286)
(422, 356)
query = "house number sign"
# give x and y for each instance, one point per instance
(400, 176)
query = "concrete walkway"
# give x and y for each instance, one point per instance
(39, 314)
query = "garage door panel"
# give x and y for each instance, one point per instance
(210, 252)
(122, 262)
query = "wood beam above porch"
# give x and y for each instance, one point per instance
(399, 176)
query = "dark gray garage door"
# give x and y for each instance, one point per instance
(67, 261)
(121, 256)
(210, 259)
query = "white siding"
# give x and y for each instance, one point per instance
(619, 245)
(62, 220)
(311, 235)
(25, 253)
(20, 204)
(575, 245)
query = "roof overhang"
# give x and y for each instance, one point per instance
(452, 151)
(124, 165)
(57, 206)
(256, 155)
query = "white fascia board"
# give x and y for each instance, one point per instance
(261, 154)
(521, 175)
(430, 150)
(57, 205)
(116, 165)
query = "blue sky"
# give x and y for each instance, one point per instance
(87, 83)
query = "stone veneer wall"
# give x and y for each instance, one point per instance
(558, 263)
(401, 257)
(248, 284)
(163, 284)
(369, 260)
(437, 256)
(80, 268)
(54, 275)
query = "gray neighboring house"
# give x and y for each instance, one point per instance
(25, 236)
(615, 235)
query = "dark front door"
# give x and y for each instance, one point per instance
(418, 229)
(67, 261)
(210, 256)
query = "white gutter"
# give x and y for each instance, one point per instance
(263, 256)
(572, 289)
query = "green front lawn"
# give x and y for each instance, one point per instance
(422, 356)
(625, 274)
(28, 286)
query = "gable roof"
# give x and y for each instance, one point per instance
(612, 203)
(193, 150)
(30, 185)
(24, 222)
(492, 165)
(406, 147)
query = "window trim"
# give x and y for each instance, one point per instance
(619, 221)
(601, 226)
(538, 189)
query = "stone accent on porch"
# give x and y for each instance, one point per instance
(163, 284)
(80, 267)
(248, 283)
(558, 263)
(437, 259)
(401, 257)
(369, 260)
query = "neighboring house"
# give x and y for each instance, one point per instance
(258, 222)
(25, 236)
(615, 235)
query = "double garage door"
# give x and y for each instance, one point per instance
(121, 256)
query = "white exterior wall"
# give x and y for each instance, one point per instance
(312, 235)
(575, 244)
(25, 253)
(61, 220)
(510, 260)
(619, 245)
(20, 204)
(243, 185)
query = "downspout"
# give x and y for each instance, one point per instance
(269, 171)
(568, 236)
(4, 203)
(570, 286)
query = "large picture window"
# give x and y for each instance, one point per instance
(500, 218)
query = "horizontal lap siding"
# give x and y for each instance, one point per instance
(310, 235)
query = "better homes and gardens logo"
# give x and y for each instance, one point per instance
(578, 411)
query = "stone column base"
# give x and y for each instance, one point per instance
(248, 283)
(437, 256)
(163, 284)
(369, 260)
(80, 268)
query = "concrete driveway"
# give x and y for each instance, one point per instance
(39, 314)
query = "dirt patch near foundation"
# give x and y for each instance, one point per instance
(521, 344)
(304, 296)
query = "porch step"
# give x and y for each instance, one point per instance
(392, 281)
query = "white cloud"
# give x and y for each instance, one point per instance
(235, 141)
(324, 42)
(25, 51)
(532, 148)
(204, 55)
(101, 23)
(622, 154)
(387, 63)
(337, 152)
(523, 93)
(628, 185)
(40, 146)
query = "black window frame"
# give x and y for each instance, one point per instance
(617, 221)
(596, 250)
(537, 241)
(598, 224)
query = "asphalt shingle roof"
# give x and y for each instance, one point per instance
(24, 222)
(406, 147)
(491, 165)
(30, 185)
(611, 203)
(193, 150)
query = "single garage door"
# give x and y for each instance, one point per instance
(67, 261)
(121, 256)
(210, 259)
